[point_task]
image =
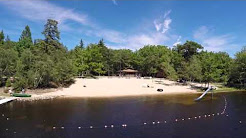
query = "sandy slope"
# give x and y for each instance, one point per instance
(107, 87)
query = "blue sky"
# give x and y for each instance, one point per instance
(217, 25)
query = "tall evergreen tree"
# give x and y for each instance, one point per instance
(2, 37)
(7, 39)
(26, 35)
(51, 32)
(25, 40)
(101, 43)
(81, 44)
(52, 35)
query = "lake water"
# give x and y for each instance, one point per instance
(145, 116)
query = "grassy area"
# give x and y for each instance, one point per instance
(220, 88)
(228, 89)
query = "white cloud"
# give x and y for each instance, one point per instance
(167, 13)
(200, 32)
(166, 24)
(213, 42)
(163, 23)
(40, 10)
(217, 43)
(115, 3)
(140, 38)
(137, 41)
(157, 25)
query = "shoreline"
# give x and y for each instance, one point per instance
(118, 96)
(105, 87)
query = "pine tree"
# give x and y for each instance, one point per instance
(7, 39)
(81, 44)
(101, 43)
(25, 40)
(51, 32)
(2, 37)
(26, 35)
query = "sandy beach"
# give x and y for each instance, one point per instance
(111, 87)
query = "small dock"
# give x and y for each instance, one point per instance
(6, 100)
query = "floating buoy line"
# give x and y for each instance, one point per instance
(225, 105)
(149, 123)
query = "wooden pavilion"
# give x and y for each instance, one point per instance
(129, 73)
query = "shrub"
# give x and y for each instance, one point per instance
(20, 83)
(8, 83)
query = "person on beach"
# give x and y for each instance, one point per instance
(23, 91)
(10, 91)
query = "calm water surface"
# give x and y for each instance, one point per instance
(37, 119)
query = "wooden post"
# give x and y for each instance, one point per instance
(212, 92)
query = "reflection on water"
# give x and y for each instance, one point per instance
(72, 117)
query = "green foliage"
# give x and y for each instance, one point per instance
(8, 83)
(8, 60)
(237, 77)
(20, 80)
(194, 69)
(51, 33)
(169, 71)
(101, 43)
(1, 38)
(154, 59)
(25, 40)
(122, 59)
(43, 64)
(94, 59)
(19, 84)
(79, 60)
(26, 35)
(7, 39)
(81, 44)
(215, 66)
(182, 71)
(188, 49)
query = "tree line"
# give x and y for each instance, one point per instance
(47, 62)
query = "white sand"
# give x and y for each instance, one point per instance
(108, 87)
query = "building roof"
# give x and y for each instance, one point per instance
(129, 71)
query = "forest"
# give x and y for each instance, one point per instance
(45, 63)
